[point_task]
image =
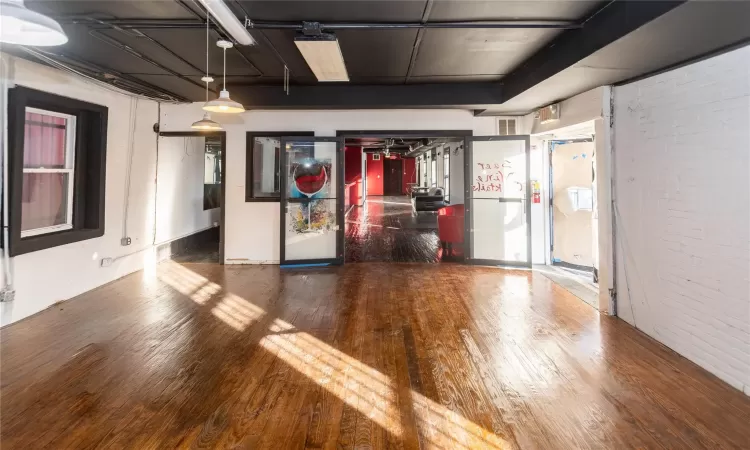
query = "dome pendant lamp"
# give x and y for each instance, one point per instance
(22, 26)
(206, 124)
(224, 104)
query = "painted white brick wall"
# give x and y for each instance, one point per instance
(682, 171)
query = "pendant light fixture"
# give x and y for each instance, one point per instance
(206, 124)
(22, 26)
(224, 104)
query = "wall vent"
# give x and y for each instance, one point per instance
(549, 113)
(506, 127)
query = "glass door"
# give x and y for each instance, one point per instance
(498, 214)
(312, 201)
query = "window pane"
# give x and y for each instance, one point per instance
(266, 167)
(44, 200)
(45, 138)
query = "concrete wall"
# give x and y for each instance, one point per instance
(682, 196)
(252, 229)
(48, 276)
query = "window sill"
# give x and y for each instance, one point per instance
(29, 244)
(262, 199)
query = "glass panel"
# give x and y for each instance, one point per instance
(311, 219)
(498, 174)
(500, 230)
(45, 140)
(499, 169)
(212, 173)
(44, 200)
(266, 170)
(311, 227)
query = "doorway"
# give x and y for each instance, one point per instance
(190, 194)
(393, 176)
(395, 218)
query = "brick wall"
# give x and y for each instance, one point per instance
(682, 171)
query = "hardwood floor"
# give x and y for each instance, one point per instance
(362, 356)
(387, 229)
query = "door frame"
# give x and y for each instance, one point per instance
(469, 200)
(222, 214)
(340, 213)
(400, 178)
(551, 144)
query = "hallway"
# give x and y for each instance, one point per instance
(387, 229)
(364, 355)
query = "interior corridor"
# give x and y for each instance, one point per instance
(367, 356)
(386, 229)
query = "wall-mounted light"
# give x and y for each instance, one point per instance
(22, 26)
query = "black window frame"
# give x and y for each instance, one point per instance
(249, 176)
(89, 182)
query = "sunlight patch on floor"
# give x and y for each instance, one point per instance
(358, 385)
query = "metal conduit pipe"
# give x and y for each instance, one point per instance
(268, 25)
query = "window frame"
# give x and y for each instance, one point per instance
(249, 175)
(70, 139)
(88, 187)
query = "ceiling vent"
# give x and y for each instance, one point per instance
(506, 127)
(549, 113)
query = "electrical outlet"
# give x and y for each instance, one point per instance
(7, 295)
(125, 241)
(106, 262)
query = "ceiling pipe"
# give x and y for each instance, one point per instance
(500, 24)
(263, 25)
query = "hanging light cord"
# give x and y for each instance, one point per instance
(225, 68)
(208, 21)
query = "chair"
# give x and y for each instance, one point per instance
(451, 226)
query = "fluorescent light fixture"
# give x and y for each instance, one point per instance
(22, 26)
(206, 124)
(228, 21)
(323, 55)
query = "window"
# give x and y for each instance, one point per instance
(433, 175)
(424, 172)
(57, 167)
(48, 171)
(581, 199)
(446, 173)
(212, 173)
(263, 169)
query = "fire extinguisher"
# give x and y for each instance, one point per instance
(536, 194)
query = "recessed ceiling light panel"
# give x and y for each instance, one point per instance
(323, 55)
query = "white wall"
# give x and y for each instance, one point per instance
(48, 276)
(682, 158)
(180, 189)
(252, 229)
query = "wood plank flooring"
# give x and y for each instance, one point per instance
(386, 229)
(371, 356)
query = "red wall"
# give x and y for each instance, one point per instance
(374, 175)
(353, 175)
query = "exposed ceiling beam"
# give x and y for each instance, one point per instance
(346, 96)
(610, 23)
